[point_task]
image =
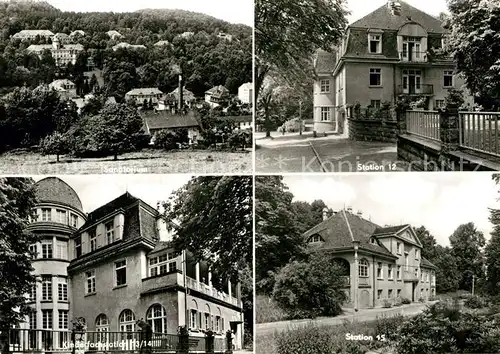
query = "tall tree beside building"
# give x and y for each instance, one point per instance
(467, 245)
(17, 200)
(288, 31)
(475, 46)
(492, 250)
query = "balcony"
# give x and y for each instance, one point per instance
(413, 57)
(416, 90)
(209, 290)
(159, 282)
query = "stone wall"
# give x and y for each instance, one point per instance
(373, 130)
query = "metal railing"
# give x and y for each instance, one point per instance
(416, 89)
(413, 56)
(423, 123)
(479, 131)
(209, 290)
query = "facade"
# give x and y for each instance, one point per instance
(65, 88)
(128, 46)
(62, 54)
(394, 52)
(114, 34)
(225, 36)
(171, 121)
(380, 263)
(114, 266)
(171, 99)
(138, 95)
(245, 93)
(240, 122)
(216, 95)
(29, 35)
(63, 38)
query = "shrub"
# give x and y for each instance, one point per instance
(310, 288)
(389, 326)
(169, 140)
(240, 139)
(405, 301)
(386, 303)
(421, 299)
(267, 310)
(475, 302)
(56, 144)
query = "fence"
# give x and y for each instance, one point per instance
(34, 340)
(479, 131)
(423, 123)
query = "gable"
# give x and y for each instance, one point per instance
(408, 234)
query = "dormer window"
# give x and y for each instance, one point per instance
(373, 241)
(375, 43)
(315, 238)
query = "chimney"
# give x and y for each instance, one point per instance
(359, 213)
(390, 4)
(181, 94)
(325, 213)
(349, 209)
(396, 9)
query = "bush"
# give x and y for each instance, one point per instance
(386, 303)
(240, 139)
(405, 301)
(56, 144)
(389, 326)
(311, 288)
(268, 311)
(475, 302)
(421, 299)
(169, 140)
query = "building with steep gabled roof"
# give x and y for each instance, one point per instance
(380, 264)
(395, 52)
(216, 95)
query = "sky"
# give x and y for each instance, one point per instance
(96, 190)
(234, 11)
(439, 201)
(360, 8)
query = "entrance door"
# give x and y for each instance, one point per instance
(413, 290)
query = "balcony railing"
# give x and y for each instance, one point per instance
(415, 90)
(413, 57)
(209, 290)
(480, 131)
(423, 123)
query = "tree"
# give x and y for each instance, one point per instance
(310, 288)
(475, 46)
(278, 239)
(492, 251)
(17, 200)
(287, 31)
(448, 276)
(428, 243)
(466, 247)
(54, 144)
(114, 130)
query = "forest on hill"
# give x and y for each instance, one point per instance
(206, 60)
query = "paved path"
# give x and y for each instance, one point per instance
(361, 316)
(324, 154)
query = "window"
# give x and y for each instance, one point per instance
(90, 282)
(416, 253)
(63, 319)
(78, 246)
(73, 220)
(32, 320)
(380, 272)
(61, 216)
(398, 292)
(61, 250)
(315, 238)
(422, 276)
(47, 319)
(157, 318)
(448, 78)
(375, 43)
(127, 321)
(379, 294)
(439, 104)
(389, 271)
(93, 240)
(32, 294)
(163, 264)
(193, 315)
(389, 294)
(375, 77)
(208, 318)
(375, 104)
(324, 86)
(372, 241)
(421, 292)
(46, 214)
(47, 249)
(33, 251)
(363, 268)
(47, 287)
(62, 289)
(121, 273)
(398, 247)
(326, 114)
(102, 325)
(110, 232)
(398, 272)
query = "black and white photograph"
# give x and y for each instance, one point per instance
(377, 263)
(126, 264)
(111, 87)
(370, 86)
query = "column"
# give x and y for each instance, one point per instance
(355, 275)
(209, 278)
(229, 288)
(197, 270)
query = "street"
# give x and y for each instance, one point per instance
(324, 154)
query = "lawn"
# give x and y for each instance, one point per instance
(146, 161)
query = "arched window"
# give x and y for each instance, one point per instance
(157, 318)
(315, 238)
(193, 315)
(127, 321)
(208, 318)
(102, 325)
(218, 318)
(363, 268)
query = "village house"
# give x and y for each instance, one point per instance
(394, 52)
(65, 88)
(62, 54)
(216, 96)
(77, 32)
(244, 122)
(29, 35)
(128, 46)
(154, 122)
(114, 34)
(113, 266)
(379, 263)
(63, 38)
(148, 94)
(171, 100)
(245, 93)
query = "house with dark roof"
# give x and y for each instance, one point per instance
(114, 266)
(156, 121)
(144, 95)
(216, 95)
(379, 263)
(395, 51)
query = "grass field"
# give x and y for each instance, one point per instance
(147, 161)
